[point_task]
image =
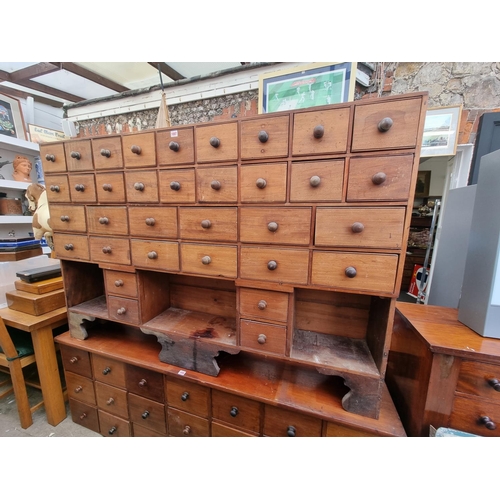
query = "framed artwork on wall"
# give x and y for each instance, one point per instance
(317, 84)
(423, 184)
(11, 118)
(440, 135)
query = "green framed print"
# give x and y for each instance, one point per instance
(440, 135)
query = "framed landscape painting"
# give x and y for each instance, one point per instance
(440, 135)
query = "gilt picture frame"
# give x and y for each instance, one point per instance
(11, 118)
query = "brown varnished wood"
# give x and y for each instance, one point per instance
(275, 176)
(59, 163)
(57, 189)
(228, 190)
(111, 399)
(82, 147)
(141, 431)
(186, 179)
(223, 259)
(35, 304)
(120, 283)
(86, 192)
(221, 430)
(276, 145)
(84, 414)
(148, 180)
(467, 413)
(114, 146)
(71, 246)
(113, 250)
(110, 187)
(263, 337)
(227, 133)
(474, 379)
(109, 371)
(146, 141)
(165, 256)
(184, 137)
(147, 413)
(187, 396)
(145, 383)
(237, 411)
(68, 218)
(104, 220)
(123, 309)
(80, 388)
(164, 226)
(76, 361)
(221, 224)
(182, 424)
(274, 306)
(277, 423)
(108, 421)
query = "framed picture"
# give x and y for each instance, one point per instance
(423, 184)
(313, 85)
(441, 131)
(42, 134)
(11, 118)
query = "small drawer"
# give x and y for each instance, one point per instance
(69, 218)
(382, 178)
(78, 155)
(187, 396)
(109, 371)
(57, 189)
(111, 250)
(110, 187)
(317, 181)
(284, 423)
(71, 246)
(274, 264)
(144, 382)
(175, 146)
(177, 186)
(141, 431)
(153, 254)
(360, 227)
(76, 361)
(213, 224)
(103, 220)
(476, 416)
(141, 186)
(210, 260)
(113, 426)
(139, 150)
(320, 132)
(107, 153)
(264, 137)
(111, 399)
(264, 304)
(53, 158)
(281, 226)
(265, 183)
(355, 271)
(263, 337)
(181, 424)
(217, 142)
(337, 430)
(217, 185)
(147, 413)
(221, 430)
(82, 188)
(84, 414)
(153, 222)
(80, 388)
(123, 310)
(120, 283)
(236, 410)
(479, 379)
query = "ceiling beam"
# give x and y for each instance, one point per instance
(51, 91)
(18, 94)
(167, 70)
(32, 71)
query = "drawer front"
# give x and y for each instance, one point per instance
(320, 132)
(217, 185)
(274, 264)
(281, 226)
(468, 415)
(264, 304)
(141, 431)
(144, 382)
(317, 181)
(107, 153)
(82, 188)
(110, 187)
(210, 260)
(265, 183)
(141, 186)
(153, 254)
(53, 158)
(80, 388)
(337, 430)
(57, 189)
(187, 396)
(147, 413)
(76, 361)
(221, 430)
(124, 310)
(111, 250)
(181, 424)
(113, 426)
(107, 220)
(84, 414)
(212, 224)
(153, 222)
(177, 186)
(111, 399)
(263, 337)
(139, 150)
(405, 116)
(360, 227)
(236, 410)
(285, 423)
(264, 137)
(71, 246)
(69, 218)
(175, 146)
(382, 178)
(78, 155)
(120, 283)
(375, 273)
(480, 379)
(109, 371)
(217, 142)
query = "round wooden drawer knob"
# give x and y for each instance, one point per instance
(103, 220)
(206, 260)
(291, 431)
(118, 283)
(65, 218)
(69, 246)
(121, 311)
(50, 157)
(261, 339)
(272, 265)
(234, 411)
(106, 250)
(73, 360)
(357, 227)
(350, 272)
(143, 382)
(214, 142)
(495, 383)
(273, 227)
(145, 415)
(174, 146)
(263, 136)
(107, 187)
(150, 221)
(112, 430)
(136, 150)
(175, 186)
(185, 396)
(385, 124)
(106, 153)
(315, 180)
(206, 224)
(488, 423)
(261, 183)
(379, 178)
(262, 304)
(110, 401)
(78, 389)
(216, 185)
(83, 416)
(152, 255)
(80, 188)
(55, 189)
(187, 430)
(319, 131)
(76, 155)
(139, 186)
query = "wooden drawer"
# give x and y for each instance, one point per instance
(153, 254)
(78, 155)
(144, 382)
(82, 188)
(177, 185)
(141, 186)
(360, 227)
(113, 426)
(71, 246)
(284, 423)
(217, 142)
(467, 416)
(175, 146)
(264, 137)
(187, 396)
(111, 250)
(479, 379)
(111, 399)
(141, 431)
(109, 371)
(120, 283)
(123, 310)
(281, 226)
(264, 304)
(84, 414)
(107, 153)
(263, 337)
(317, 181)
(80, 388)
(103, 219)
(76, 361)
(217, 185)
(181, 424)
(147, 413)
(264, 183)
(211, 260)
(69, 218)
(53, 158)
(320, 131)
(139, 150)
(57, 189)
(110, 187)
(380, 178)
(337, 430)
(221, 430)
(405, 116)
(370, 272)
(153, 222)
(274, 264)
(212, 224)
(236, 410)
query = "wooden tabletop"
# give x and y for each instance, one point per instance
(29, 322)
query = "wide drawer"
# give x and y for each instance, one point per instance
(264, 183)
(123, 310)
(110, 187)
(264, 137)
(210, 260)
(284, 423)
(76, 361)
(153, 222)
(111, 399)
(217, 142)
(263, 337)
(148, 413)
(111, 250)
(175, 146)
(82, 188)
(479, 379)
(84, 414)
(113, 426)
(181, 424)
(71, 246)
(159, 255)
(144, 382)
(187, 396)
(120, 283)
(477, 416)
(263, 304)
(109, 371)
(53, 158)
(80, 388)
(139, 150)
(57, 189)
(141, 186)
(69, 218)
(107, 152)
(212, 224)
(78, 155)
(107, 220)
(237, 411)
(217, 185)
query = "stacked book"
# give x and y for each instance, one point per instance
(12, 249)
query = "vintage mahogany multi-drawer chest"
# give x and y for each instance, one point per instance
(238, 277)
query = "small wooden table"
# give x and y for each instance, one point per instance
(41, 328)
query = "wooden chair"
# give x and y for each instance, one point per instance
(16, 353)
